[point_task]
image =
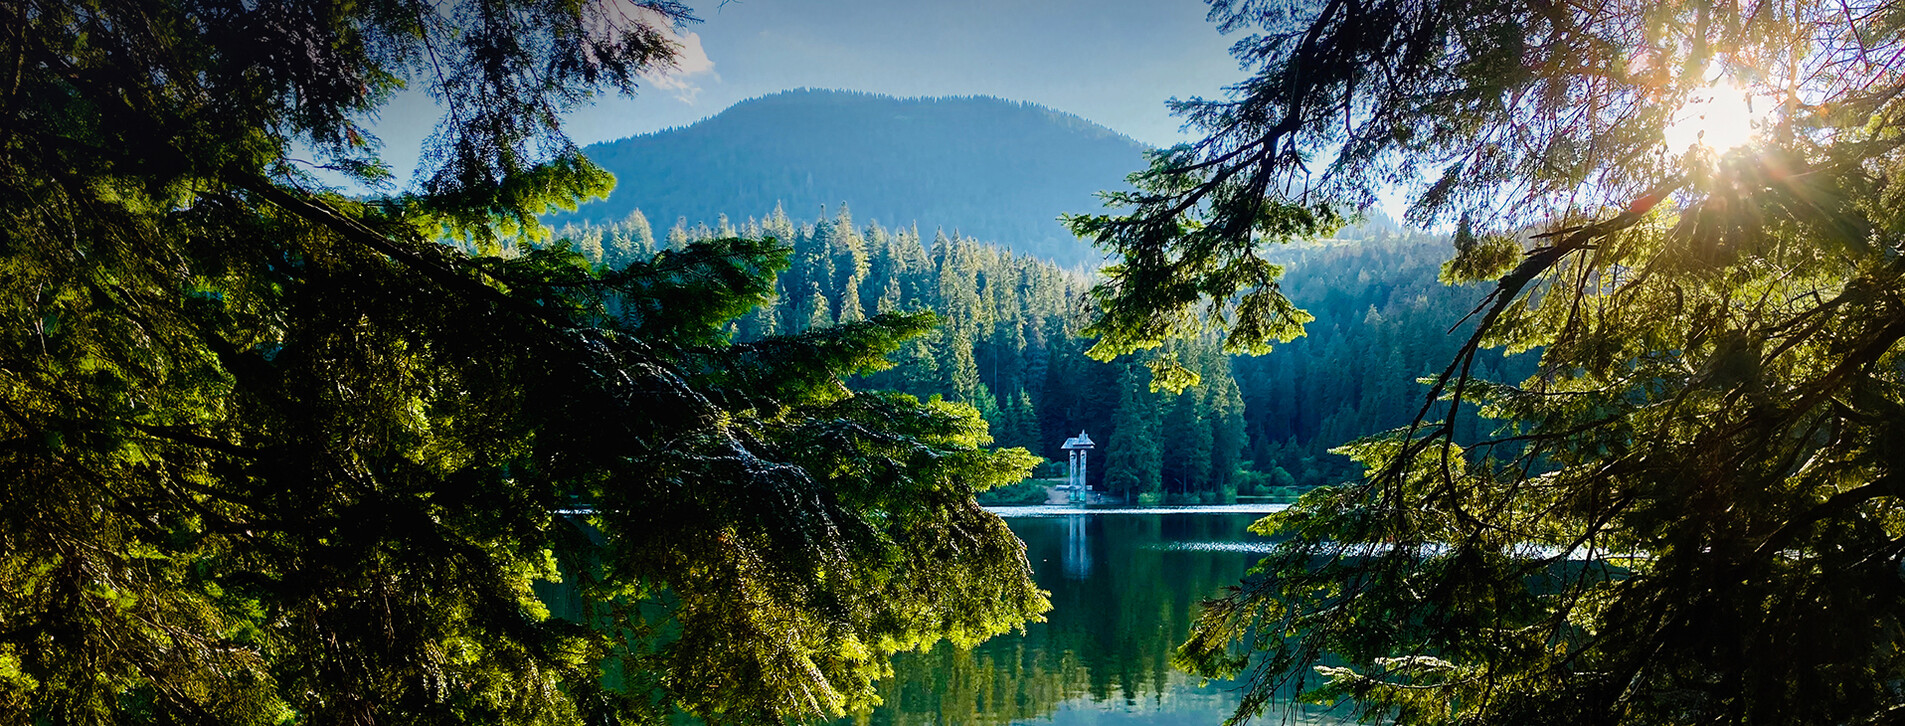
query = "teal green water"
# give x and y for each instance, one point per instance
(1124, 590)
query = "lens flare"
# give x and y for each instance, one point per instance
(1719, 117)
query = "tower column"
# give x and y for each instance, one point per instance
(1079, 448)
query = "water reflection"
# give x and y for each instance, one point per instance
(1124, 590)
(1077, 548)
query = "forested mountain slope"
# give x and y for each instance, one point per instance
(999, 170)
(1383, 321)
(1008, 345)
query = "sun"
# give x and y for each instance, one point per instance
(1720, 117)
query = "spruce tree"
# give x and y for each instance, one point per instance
(1690, 513)
(818, 310)
(630, 240)
(778, 226)
(1021, 427)
(889, 296)
(678, 235)
(589, 245)
(1185, 444)
(961, 370)
(275, 454)
(1134, 466)
(849, 260)
(1224, 402)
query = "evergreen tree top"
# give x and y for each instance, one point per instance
(1688, 514)
(276, 455)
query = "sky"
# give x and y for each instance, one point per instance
(1114, 62)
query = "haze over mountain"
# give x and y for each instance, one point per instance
(997, 170)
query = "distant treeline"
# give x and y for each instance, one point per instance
(1009, 346)
(1383, 322)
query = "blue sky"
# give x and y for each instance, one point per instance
(1111, 61)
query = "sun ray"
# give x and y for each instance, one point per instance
(1719, 117)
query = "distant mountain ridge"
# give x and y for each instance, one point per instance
(998, 170)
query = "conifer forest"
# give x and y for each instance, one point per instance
(1009, 346)
(1450, 362)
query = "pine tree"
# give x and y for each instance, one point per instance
(889, 296)
(761, 322)
(589, 245)
(274, 454)
(941, 250)
(1134, 466)
(850, 267)
(850, 303)
(1185, 438)
(1021, 422)
(778, 226)
(818, 313)
(678, 236)
(849, 259)
(987, 404)
(961, 370)
(628, 241)
(918, 369)
(1690, 514)
(1224, 401)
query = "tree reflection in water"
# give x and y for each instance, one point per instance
(1124, 590)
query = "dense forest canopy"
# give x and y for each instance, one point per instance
(1010, 347)
(1691, 512)
(271, 454)
(1001, 171)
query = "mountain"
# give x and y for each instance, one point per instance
(997, 170)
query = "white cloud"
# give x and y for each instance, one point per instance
(691, 67)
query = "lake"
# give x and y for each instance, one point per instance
(1125, 586)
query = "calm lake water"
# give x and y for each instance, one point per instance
(1125, 585)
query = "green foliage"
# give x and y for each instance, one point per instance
(1030, 491)
(274, 455)
(1375, 286)
(1479, 259)
(1383, 325)
(1134, 465)
(1007, 341)
(1212, 276)
(1689, 513)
